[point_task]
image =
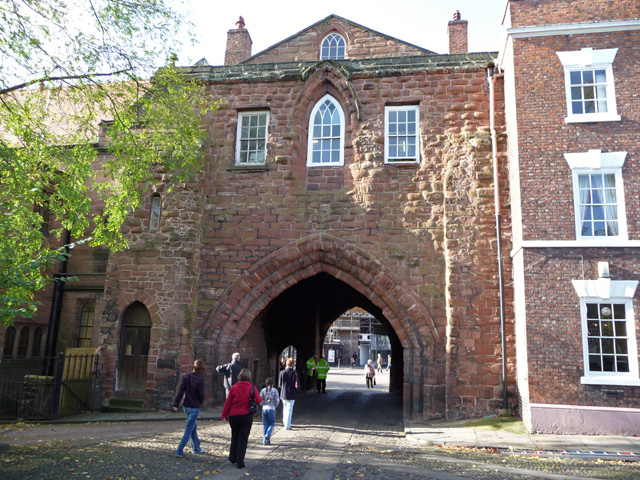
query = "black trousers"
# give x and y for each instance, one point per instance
(240, 429)
(321, 385)
(369, 383)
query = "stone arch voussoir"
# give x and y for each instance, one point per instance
(271, 276)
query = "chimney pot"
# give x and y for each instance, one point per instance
(457, 34)
(238, 44)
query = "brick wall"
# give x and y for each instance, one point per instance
(361, 43)
(544, 136)
(548, 12)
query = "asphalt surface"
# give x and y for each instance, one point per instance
(348, 433)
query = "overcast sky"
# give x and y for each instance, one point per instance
(420, 22)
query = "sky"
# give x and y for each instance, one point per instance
(420, 22)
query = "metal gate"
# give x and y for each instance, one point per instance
(47, 388)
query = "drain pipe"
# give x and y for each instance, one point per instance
(496, 195)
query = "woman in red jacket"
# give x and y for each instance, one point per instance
(236, 412)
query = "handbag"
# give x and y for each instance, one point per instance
(253, 406)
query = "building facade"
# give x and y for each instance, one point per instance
(345, 169)
(571, 83)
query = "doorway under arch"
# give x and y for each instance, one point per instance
(133, 351)
(292, 297)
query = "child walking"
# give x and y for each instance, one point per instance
(270, 400)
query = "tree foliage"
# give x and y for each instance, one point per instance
(69, 68)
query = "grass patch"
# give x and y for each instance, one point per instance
(506, 424)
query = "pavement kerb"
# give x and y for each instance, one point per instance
(548, 445)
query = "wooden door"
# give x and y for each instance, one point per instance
(134, 350)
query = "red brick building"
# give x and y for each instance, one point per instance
(571, 83)
(345, 169)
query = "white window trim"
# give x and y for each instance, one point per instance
(325, 39)
(593, 59)
(596, 161)
(388, 109)
(239, 131)
(310, 133)
(605, 290)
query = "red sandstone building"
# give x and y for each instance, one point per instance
(571, 82)
(349, 169)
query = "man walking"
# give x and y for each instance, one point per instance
(230, 371)
(322, 368)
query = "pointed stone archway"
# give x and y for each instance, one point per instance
(133, 351)
(330, 266)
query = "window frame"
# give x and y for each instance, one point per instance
(343, 46)
(155, 213)
(590, 59)
(596, 162)
(240, 139)
(85, 328)
(311, 138)
(387, 143)
(605, 290)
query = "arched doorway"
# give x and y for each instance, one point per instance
(133, 351)
(303, 314)
(293, 296)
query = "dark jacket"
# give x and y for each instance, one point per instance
(230, 372)
(288, 383)
(192, 388)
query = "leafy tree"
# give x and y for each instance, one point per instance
(67, 69)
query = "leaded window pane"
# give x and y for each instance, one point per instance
(327, 131)
(333, 47)
(156, 211)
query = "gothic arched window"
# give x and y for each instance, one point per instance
(333, 47)
(326, 133)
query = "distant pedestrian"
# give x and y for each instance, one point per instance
(191, 395)
(379, 363)
(236, 412)
(270, 401)
(230, 371)
(388, 362)
(370, 373)
(355, 359)
(288, 390)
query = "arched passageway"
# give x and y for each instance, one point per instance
(294, 295)
(302, 315)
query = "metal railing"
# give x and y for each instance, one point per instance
(47, 388)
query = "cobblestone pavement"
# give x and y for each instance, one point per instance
(337, 436)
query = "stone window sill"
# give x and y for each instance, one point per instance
(610, 380)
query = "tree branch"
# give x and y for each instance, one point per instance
(4, 91)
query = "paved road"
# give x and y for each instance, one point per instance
(348, 433)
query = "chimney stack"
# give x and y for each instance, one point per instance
(457, 34)
(238, 44)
